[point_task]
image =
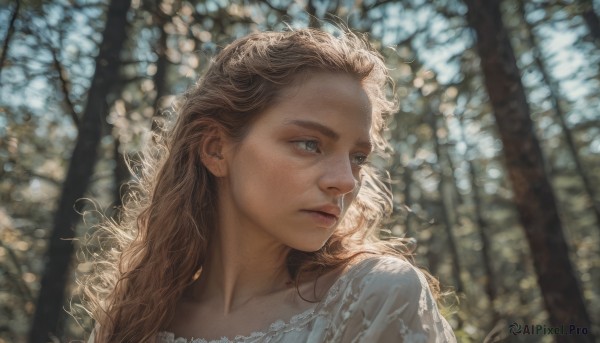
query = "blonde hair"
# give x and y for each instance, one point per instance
(161, 240)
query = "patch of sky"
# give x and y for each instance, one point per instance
(538, 94)
(53, 16)
(5, 14)
(82, 41)
(595, 146)
(490, 187)
(526, 59)
(534, 14)
(464, 185)
(16, 77)
(488, 146)
(564, 60)
(387, 23)
(22, 46)
(461, 148)
(439, 59)
(429, 184)
(454, 130)
(146, 37)
(574, 89)
(212, 6)
(201, 7)
(569, 64)
(3, 124)
(320, 8)
(31, 97)
(436, 44)
(463, 145)
(41, 130)
(35, 186)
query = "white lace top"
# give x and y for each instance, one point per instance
(380, 299)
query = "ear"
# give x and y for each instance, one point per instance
(211, 151)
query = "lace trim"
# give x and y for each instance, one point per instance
(295, 323)
(274, 327)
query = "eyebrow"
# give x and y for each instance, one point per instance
(326, 131)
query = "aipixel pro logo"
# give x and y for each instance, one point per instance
(537, 329)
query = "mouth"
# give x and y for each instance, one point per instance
(322, 218)
(327, 214)
(327, 209)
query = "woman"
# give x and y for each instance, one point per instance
(258, 221)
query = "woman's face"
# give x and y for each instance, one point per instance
(296, 171)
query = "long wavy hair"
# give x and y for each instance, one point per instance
(161, 240)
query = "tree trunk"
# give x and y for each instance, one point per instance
(447, 221)
(533, 194)
(560, 113)
(7, 39)
(591, 19)
(56, 274)
(456, 196)
(121, 176)
(490, 279)
(446, 217)
(160, 78)
(408, 201)
(313, 20)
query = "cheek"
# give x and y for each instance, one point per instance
(265, 177)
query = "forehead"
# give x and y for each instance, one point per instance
(335, 100)
(330, 86)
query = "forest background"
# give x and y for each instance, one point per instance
(497, 143)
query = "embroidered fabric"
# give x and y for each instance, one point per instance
(380, 299)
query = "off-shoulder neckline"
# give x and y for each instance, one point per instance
(278, 325)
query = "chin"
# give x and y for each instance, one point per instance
(308, 249)
(308, 246)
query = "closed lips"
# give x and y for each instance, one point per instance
(325, 214)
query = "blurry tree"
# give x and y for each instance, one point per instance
(432, 119)
(160, 19)
(312, 14)
(533, 193)
(490, 283)
(586, 8)
(83, 160)
(9, 33)
(557, 105)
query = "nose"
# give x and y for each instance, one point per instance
(337, 177)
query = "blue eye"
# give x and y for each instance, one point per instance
(308, 145)
(359, 160)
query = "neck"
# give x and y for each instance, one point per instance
(238, 271)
